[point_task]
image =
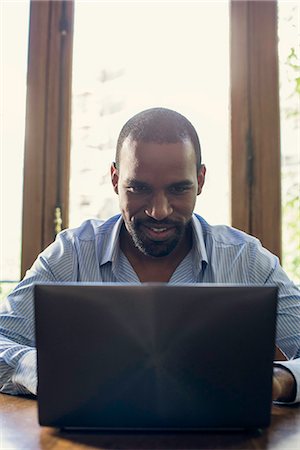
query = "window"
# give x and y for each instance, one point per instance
(254, 112)
(132, 56)
(289, 64)
(14, 16)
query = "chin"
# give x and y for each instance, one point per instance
(155, 250)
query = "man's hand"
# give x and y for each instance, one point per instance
(284, 385)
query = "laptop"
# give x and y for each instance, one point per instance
(154, 356)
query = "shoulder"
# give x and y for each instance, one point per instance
(224, 235)
(89, 230)
(238, 255)
(73, 241)
(225, 243)
(74, 248)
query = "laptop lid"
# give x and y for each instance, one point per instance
(154, 356)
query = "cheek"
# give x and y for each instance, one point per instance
(130, 205)
(185, 205)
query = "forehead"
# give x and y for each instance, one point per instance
(148, 159)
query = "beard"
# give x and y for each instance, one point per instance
(156, 247)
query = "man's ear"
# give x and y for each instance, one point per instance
(201, 178)
(114, 177)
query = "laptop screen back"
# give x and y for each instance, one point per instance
(154, 356)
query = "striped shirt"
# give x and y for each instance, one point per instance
(91, 253)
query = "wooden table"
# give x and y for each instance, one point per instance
(19, 429)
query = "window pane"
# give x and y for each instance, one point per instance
(132, 56)
(14, 42)
(289, 65)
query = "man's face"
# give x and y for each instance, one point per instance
(157, 186)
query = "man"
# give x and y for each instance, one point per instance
(157, 176)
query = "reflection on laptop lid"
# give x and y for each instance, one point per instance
(154, 356)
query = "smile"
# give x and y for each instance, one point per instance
(158, 230)
(158, 233)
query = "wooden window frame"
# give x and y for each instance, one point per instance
(255, 141)
(48, 119)
(255, 122)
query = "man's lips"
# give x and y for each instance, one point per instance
(156, 232)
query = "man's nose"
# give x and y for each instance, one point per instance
(159, 207)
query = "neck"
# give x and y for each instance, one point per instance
(155, 269)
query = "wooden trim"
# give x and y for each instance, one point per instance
(58, 120)
(48, 116)
(255, 125)
(33, 189)
(240, 189)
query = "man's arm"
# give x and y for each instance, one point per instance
(284, 386)
(17, 332)
(18, 374)
(286, 381)
(266, 269)
(17, 341)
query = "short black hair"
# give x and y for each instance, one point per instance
(159, 125)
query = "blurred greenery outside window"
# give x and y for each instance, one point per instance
(289, 74)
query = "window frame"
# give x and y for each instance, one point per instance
(48, 126)
(255, 122)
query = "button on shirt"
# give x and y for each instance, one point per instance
(91, 253)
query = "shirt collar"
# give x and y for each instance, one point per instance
(111, 251)
(199, 255)
(111, 248)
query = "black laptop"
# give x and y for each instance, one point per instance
(154, 356)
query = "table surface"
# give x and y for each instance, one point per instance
(19, 429)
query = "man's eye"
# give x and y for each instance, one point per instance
(179, 189)
(138, 189)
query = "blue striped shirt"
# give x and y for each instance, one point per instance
(91, 253)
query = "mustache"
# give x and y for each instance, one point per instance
(150, 222)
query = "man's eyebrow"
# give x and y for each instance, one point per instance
(182, 183)
(135, 182)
